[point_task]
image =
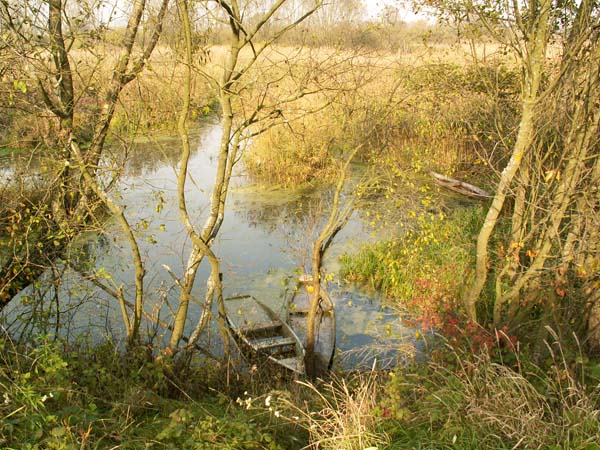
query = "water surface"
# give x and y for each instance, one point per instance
(265, 238)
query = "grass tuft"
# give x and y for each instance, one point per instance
(342, 414)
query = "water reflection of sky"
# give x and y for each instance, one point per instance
(265, 236)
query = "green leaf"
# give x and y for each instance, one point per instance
(20, 85)
(58, 431)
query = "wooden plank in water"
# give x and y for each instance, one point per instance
(272, 342)
(260, 327)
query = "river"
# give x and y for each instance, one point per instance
(265, 238)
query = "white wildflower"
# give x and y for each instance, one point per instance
(277, 414)
(268, 400)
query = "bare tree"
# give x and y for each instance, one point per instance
(241, 120)
(75, 188)
(552, 160)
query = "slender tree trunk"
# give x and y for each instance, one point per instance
(201, 242)
(511, 266)
(533, 66)
(524, 138)
(310, 363)
(578, 145)
(133, 326)
(337, 220)
(70, 203)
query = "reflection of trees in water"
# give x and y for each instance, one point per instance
(296, 217)
(83, 256)
(63, 302)
(150, 155)
(272, 210)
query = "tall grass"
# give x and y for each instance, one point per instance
(475, 402)
(339, 414)
(412, 115)
(289, 158)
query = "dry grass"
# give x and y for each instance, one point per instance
(342, 414)
(434, 111)
(150, 102)
(475, 402)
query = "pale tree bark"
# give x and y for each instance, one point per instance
(124, 72)
(559, 205)
(200, 241)
(513, 252)
(233, 131)
(565, 187)
(533, 66)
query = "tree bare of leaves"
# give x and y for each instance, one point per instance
(551, 168)
(241, 120)
(74, 185)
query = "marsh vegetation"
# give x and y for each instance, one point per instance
(160, 157)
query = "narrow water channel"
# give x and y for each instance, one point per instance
(265, 237)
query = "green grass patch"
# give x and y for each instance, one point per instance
(440, 247)
(8, 151)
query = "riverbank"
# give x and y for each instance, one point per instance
(61, 398)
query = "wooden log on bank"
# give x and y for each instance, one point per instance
(459, 186)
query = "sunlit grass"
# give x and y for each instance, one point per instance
(440, 248)
(466, 401)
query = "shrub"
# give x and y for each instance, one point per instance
(425, 260)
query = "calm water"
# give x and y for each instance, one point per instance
(265, 237)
